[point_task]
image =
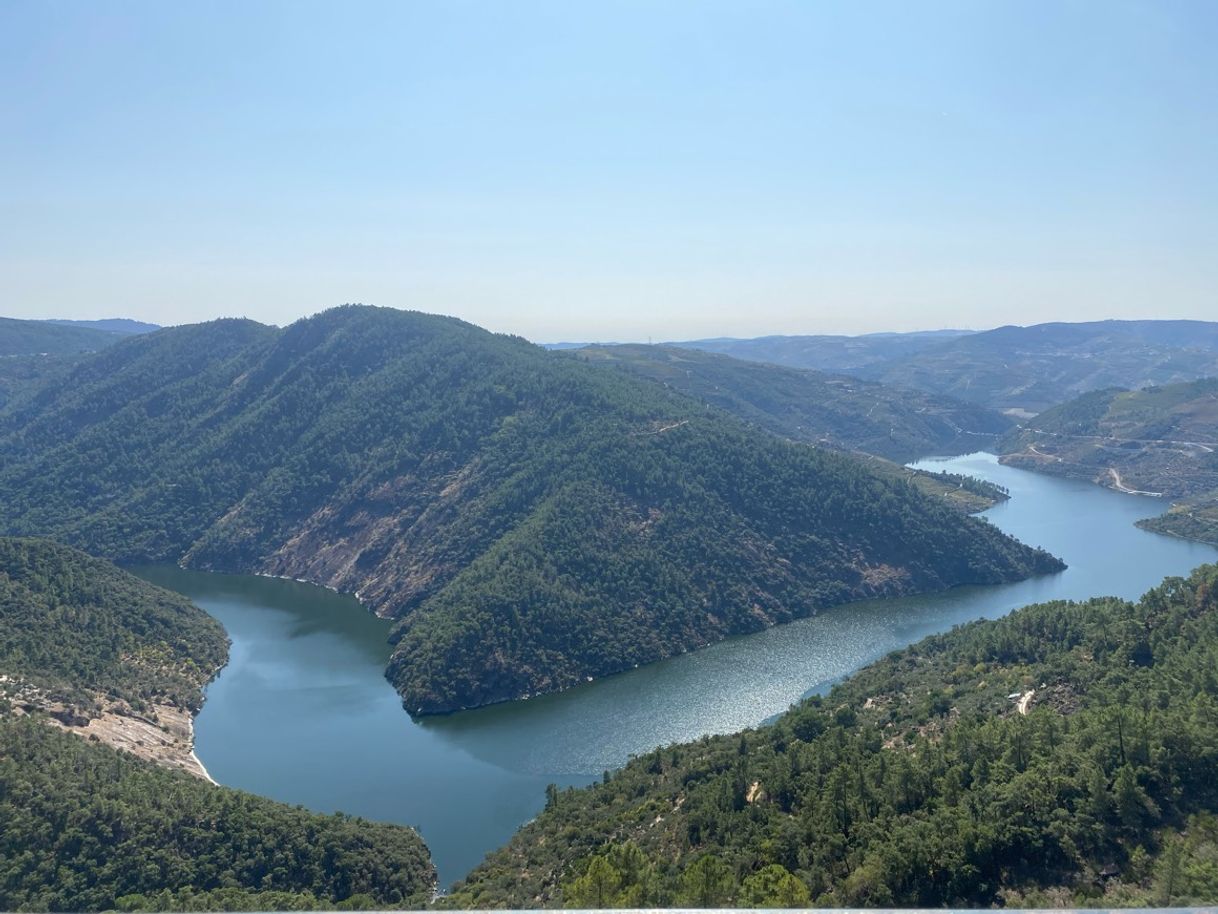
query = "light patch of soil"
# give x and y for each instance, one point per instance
(884, 579)
(168, 742)
(163, 735)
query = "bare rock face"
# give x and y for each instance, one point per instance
(164, 734)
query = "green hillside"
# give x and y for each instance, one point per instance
(84, 827)
(1065, 755)
(1160, 440)
(834, 411)
(532, 520)
(75, 627)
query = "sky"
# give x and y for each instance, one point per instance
(613, 170)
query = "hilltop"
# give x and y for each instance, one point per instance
(530, 519)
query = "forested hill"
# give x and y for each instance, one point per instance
(90, 649)
(80, 632)
(834, 411)
(1162, 440)
(531, 519)
(1064, 756)
(33, 352)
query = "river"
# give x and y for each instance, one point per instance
(303, 713)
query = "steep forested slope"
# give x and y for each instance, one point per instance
(91, 650)
(531, 519)
(21, 375)
(1162, 440)
(1065, 754)
(834, 411)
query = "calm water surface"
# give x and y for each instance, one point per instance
(302, 713)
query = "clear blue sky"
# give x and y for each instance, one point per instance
(573, 170)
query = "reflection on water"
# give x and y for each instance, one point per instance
(303, 712)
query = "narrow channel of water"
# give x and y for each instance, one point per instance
(303, 714)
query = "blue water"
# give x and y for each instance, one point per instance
(303, 714)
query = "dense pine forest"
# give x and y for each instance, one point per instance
(530, 519)
(87, 828)
(1064, 755)
(84, 827)
(76, 628)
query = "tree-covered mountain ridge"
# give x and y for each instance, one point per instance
(531, 520)
(1063, 756)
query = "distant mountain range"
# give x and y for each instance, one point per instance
(124, 326)
(532, 520)
(63, 337)
(833, 353)
(1020, 368)
(831, 410)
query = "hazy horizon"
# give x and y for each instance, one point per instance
(620, 172)
(625, 341)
